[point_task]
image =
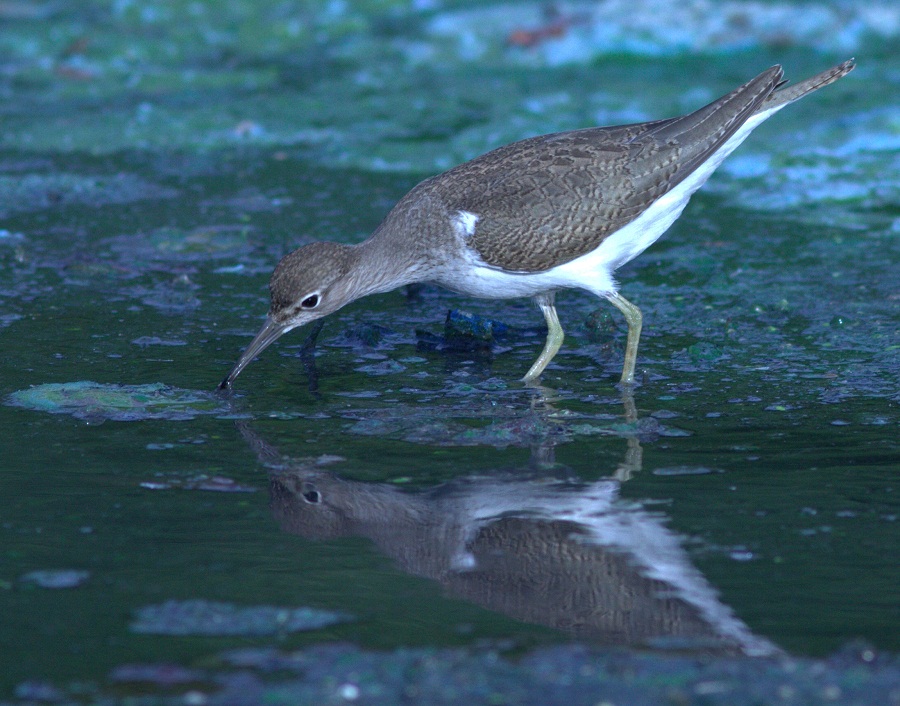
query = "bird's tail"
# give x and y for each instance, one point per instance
(789, 94)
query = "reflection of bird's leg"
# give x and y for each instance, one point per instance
(634, 454)
(629, 405)
(543, 398)
(543, 450)
(307, 356)
(631, 464)
(543, 454)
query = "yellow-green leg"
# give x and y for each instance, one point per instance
(555, 336)
(634, 319)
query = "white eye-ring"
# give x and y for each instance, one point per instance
(310, 301)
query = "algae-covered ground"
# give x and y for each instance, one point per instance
(380, 512)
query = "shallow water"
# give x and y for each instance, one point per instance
(157, 158)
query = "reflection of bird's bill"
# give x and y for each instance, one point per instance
(268, 334)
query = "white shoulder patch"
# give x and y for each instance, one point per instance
(464, 222)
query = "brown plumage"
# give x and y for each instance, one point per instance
(545, 213)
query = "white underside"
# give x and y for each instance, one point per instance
(594, 271)
(606, 522)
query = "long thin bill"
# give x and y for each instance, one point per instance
(267, 335)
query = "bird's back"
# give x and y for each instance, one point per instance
(547, 200)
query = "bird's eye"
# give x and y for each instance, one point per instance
(309, 493)
(311, 302)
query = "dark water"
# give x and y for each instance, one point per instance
(147, 188)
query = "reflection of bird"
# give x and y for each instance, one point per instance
(547, 213)
(568, 555)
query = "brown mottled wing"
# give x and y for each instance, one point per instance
(547, 200)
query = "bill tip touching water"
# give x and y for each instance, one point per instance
(546, 213)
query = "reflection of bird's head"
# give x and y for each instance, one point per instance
(310, 504)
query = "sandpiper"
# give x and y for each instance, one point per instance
(546, 213)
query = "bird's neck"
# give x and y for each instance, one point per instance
(383, 263)
(409, 246)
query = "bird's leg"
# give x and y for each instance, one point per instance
(554, 336)
(634, 319)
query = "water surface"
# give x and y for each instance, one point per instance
(156, 160)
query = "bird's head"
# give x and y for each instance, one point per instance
(307, 284)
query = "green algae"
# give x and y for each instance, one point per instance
(37, 191)
(571, 675)
(183, 245)
(200, 617)
(98, 402)
(56, 578)
(470, 423)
